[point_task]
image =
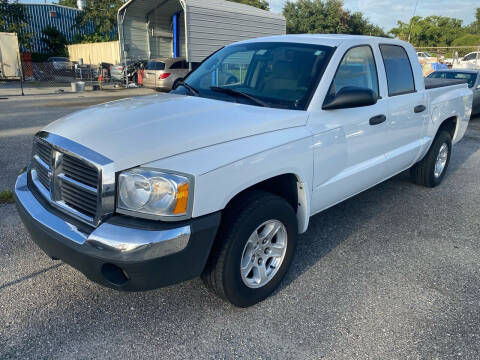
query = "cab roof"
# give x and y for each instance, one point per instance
(333, 40)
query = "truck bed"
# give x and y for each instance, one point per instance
(431, 83)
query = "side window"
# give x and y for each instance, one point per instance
(471, 57)
(399, 70)
(357, 69)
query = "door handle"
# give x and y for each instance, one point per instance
(419, 109)
(378, 119)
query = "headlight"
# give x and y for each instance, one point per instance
(153, 193)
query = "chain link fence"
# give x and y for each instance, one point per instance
(60, 75)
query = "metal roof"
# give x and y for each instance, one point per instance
(145, 6)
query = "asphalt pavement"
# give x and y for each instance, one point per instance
(392, 273)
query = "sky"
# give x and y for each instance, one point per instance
(386, 12)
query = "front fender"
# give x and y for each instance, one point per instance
(224, 170)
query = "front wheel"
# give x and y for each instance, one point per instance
(176, 84)
(431, 170)
(253, 251)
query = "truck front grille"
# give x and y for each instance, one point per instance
(69, 181)
(44, 151)
(79, 199)
(78, 171)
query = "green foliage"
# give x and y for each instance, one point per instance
(438, 31)
(261, 4)
(70, 3)
(326, 17)
(468, 40)
(474, 28)
(13, 19)
(429, 31)
(40, 57)
(55, 41)
(6, 197)
(101, 14)
(90, 38)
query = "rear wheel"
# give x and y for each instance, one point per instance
(253, 251)
(431, 170)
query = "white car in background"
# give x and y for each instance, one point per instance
(426, 58)
(469, 61)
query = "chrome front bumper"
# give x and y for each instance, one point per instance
(114, 242)
(146, 254)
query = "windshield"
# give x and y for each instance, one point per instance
(278, 74)
(155, 65)
(455, 75)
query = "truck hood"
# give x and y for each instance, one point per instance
(136, 131)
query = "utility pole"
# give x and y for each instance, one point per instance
(411, 21)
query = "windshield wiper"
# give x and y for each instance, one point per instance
(189, 88)
(239, 93)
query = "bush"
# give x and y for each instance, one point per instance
(6, 197)
(467, 40)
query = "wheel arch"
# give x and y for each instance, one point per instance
(450, 125)
(289, 186)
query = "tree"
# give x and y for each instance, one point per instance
(99, 14)
(429, 31)
(326, 17)
(262, 4)
(55, 41)
(13, 19)
(70, 3)
(468, 40)
(474, 28)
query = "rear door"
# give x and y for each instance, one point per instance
(407, 108)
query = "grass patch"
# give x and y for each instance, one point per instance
(6, 197)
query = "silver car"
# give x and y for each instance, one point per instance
(60, 63)
(165, 74)
(471, 76)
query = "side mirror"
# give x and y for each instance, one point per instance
(350, 97)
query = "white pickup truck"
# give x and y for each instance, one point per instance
(218, 178)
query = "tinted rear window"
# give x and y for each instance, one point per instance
(399, 70)
(179, 65)
(471, 78)
(155, 65)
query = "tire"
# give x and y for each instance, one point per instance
(175, 84)
(425, 172)
(257, 211)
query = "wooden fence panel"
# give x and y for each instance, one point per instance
(95, 53)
